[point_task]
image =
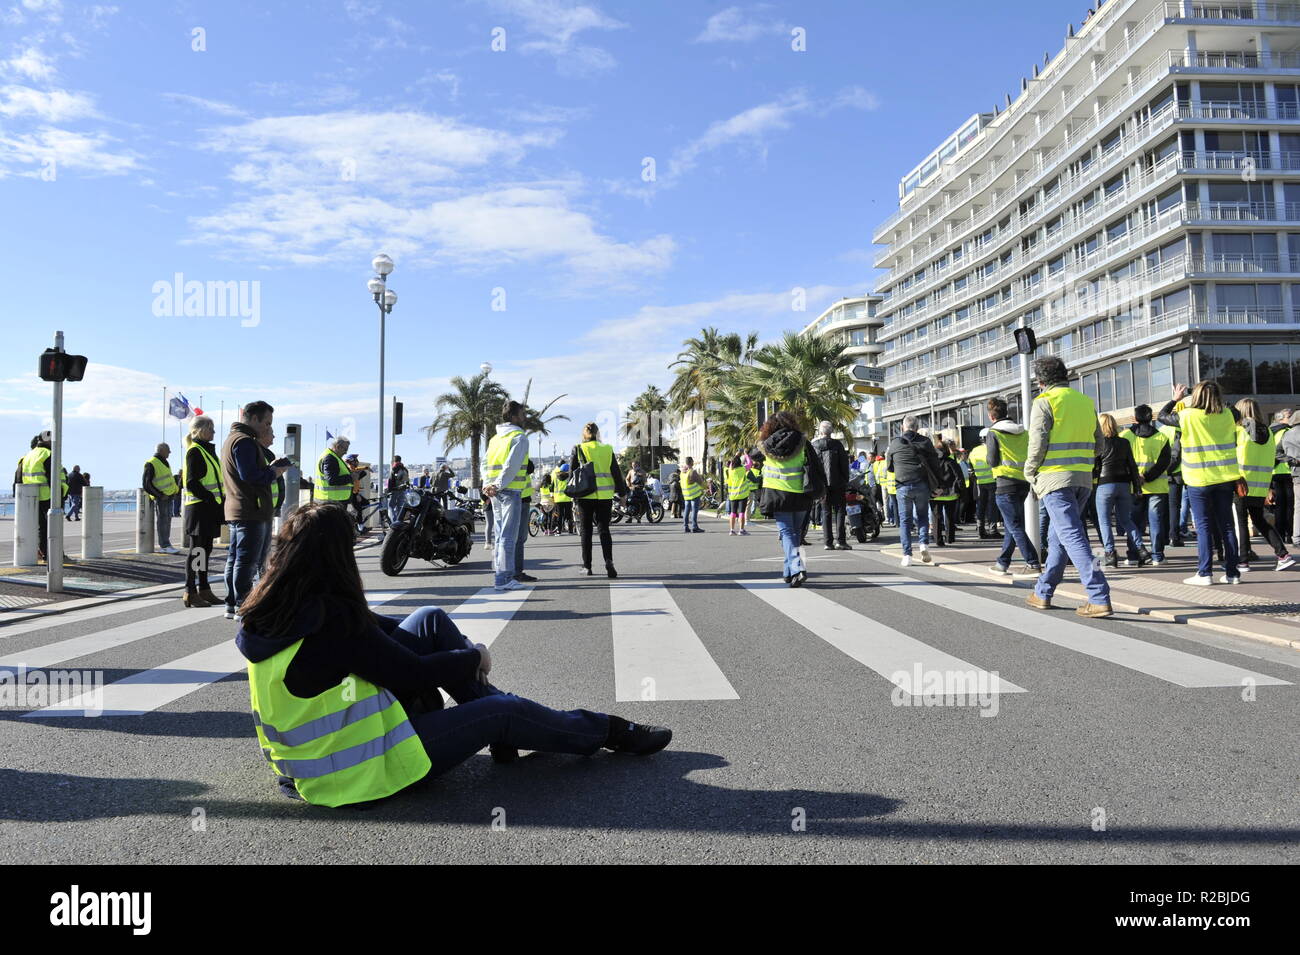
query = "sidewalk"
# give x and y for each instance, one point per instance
(1264, 606)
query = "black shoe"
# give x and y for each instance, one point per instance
(844, 545)
(525, 578)
(1176, 542)
(802, 577)
(587, 569)
(502, 753)
(828, 547)
(610, 571)
(1143, 557)
(636, 738)
(1110, 559)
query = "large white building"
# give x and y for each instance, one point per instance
(857, 321)
(1137, 205)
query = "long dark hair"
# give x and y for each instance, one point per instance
(311, 557)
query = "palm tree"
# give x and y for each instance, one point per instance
(704, 367)
(646, 409)
(466, 414)
(804, 374)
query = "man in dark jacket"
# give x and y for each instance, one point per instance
(915, 464)
(247, 480)
(835, 466)
(1283, 491)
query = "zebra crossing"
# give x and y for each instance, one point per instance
(658, 655)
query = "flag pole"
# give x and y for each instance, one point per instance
(164, 433)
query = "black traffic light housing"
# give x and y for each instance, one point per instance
(1026, 342)
(60, 366)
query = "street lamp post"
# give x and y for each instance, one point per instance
(932, 390)
(385, 298)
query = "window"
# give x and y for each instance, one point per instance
(1106, 389)
(1142, 381)
(1123, 386)
(1272, 369)
(1090, 387)
(1230, 366)
(1162, 378)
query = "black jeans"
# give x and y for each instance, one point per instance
(596, 512)
(986, 511)
(196, 562)
(943, 520)
(833, 515)
(1284, 503)
(1253, 508)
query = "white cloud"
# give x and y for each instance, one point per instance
(51, 106)
(94, 153)
(212, 106)
(31, 63)
(554, 28)
(749, 126)
(733, 26)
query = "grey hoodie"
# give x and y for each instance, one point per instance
(1005, 485)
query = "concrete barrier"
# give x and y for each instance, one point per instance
(92, 523)
(26, 524)
(144, 523)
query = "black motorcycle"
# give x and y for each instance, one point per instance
(423, 528)
(860, 509)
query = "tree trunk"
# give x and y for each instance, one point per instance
(474, 480)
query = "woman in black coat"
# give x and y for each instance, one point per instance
(203, 514)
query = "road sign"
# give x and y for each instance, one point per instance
(862, 389)
(868, 373)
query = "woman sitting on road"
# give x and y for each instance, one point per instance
(346, 702)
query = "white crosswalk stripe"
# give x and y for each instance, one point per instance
(1163, 663)
(482, 617)
(17, 629)
(55, 653)
(657, 654)
(895, 656)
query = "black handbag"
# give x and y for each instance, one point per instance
(583, 481)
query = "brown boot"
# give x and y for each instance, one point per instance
(212, 599)
(193, 600)
(1094, 610)
(1037, 602)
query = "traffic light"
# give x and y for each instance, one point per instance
(397, 417)
(60, 366)
(1026, 343)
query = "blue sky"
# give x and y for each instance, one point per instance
(285, 146)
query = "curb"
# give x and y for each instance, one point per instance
(1193, 616)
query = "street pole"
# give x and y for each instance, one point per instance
(54, 524)
(380, 463)
(164, 437)
(385, 299)
(1031, 502)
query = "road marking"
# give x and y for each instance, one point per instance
(654, 642)
(45, 621)
(1163, 663)
(813, 557)
(489, 613)
(893, 655)
(152, 689)
(35, 658)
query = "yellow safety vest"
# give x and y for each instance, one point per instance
(324, 491)
(891, 481)
(690, 490)
(211, 480)
(878, 469)
(979, 462)
(1146, 452)
(1209, 446)
(34, 471)
(163, 479)
(558, 480)
(1173, 435)
(1281, 468)
(737, 484)
(602, 458)
(1256, 462)
(498, 450)
(785, 475)
(1013, 448)
(1071, 445)
(352, 743)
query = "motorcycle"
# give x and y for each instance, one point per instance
(860, 509)
(423, 528)
(641, 505)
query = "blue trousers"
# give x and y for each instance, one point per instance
(483, 714)
(691, 515)
(1212, 512)
(507, 510)
(790, 528)
(1068, 542)
(1012, 507)
(913, 505)
(249, 541)
(1115, 506)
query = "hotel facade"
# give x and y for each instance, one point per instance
(1137, 206)
(857, 322)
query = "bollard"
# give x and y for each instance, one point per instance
(92, 523)
(26, 524)
(143, 523)
(292, 490)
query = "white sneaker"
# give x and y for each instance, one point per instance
(1243, 568)
(925, 554)
(906, 561)
(509, 585)
(1198, 581)
(1284, 562)
(1225, 579)
(170, 550)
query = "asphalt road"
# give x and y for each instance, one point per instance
(1110, 741)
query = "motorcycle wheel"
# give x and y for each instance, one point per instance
(534, 524)
(875, 531)
(463, 547)
(396, 551)
(861, 534)
(615, 515)
(656, 513)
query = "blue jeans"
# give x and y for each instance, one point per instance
(484, 715)
(74, 506)
(524, 508)
(790, 527)
(1212, 511)
(891, 508)
(913, 505)
(1152, 511)
(1184, 511)
(1115, 503)
(507, 512)
(691, 515)
(249, 541)
(1011, 505)
(1068, 541)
